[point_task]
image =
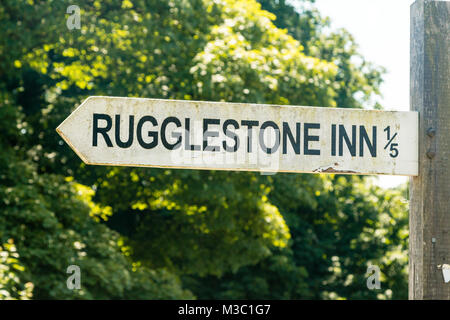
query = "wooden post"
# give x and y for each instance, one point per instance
(430, 191)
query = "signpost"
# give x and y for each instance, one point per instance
(233, 136)
(429, 241)
(268, 138)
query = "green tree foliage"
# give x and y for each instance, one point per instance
(357, 81)
(52, 223)
(11, 287)
(135, 231)
(339, 226)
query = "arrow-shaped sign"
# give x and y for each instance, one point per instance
(235, 136)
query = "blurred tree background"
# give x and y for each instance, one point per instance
(171, 234)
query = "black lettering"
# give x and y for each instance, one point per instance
(249, 124)
(287, 133)
(176, 135)
(209, 134)
(363, 136)
(333, 140)
(129, 142)
(308, 138)
(350, 145)
(187, 141)
(277, 137)
(152, 134)
(103, 131)
(231, 134)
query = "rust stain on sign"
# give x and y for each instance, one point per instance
(333, 169)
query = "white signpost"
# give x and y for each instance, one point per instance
(235, 136)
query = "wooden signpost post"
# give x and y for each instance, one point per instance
(268, 138)
(429, 240)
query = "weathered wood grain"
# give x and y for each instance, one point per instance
(430, 191)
